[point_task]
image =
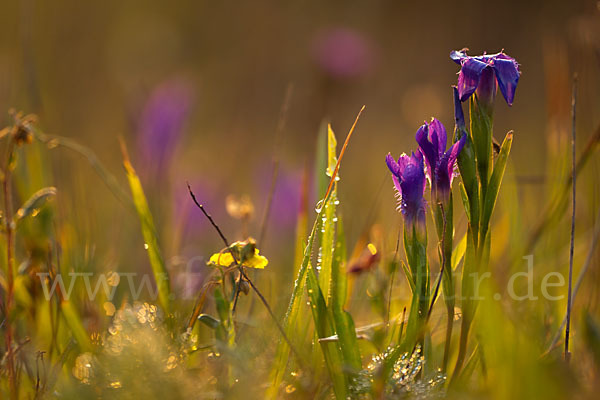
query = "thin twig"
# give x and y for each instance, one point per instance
(571, 250)
(584, 269)
(207, 215)
(10, 248)
(243, 274)
(337, 166)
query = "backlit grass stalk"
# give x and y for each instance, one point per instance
(573, 210)
(10, 269)
(290, 318)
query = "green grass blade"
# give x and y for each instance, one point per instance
(344, 324)
(459, 252)
(408, 274)
(465, 200)
(290, 320)
(324, 328)
(75, 325)
(34, 202)
(495, 182)
(329, 222)
(157, 263)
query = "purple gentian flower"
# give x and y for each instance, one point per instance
(431, 138)
(408, 174)
(162, 121)
(482, 73)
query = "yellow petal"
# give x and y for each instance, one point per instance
(222, 259)
(259, 262)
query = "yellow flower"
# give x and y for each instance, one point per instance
(225, 259)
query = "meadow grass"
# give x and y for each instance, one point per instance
(452, 310)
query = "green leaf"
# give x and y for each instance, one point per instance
(465, 200)
(470, 267)
(291, 317)
(470, 184)
(331, 151)
(467, 372)
(75, 325)
(157, 263)
(324, 328)
(344, 324)
(34, 203)
(495, 182)
(459, 252)
(408, 275)
(225, 329)
(209, 321)
(329, 223)
(339, 279)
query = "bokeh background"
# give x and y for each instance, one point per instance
(195, 90)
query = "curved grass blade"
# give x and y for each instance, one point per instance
(157, 263)
(36, 201)
(109, 179)
(289, 322)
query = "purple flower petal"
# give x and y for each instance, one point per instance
(436, 127)
(392, 165)
(397, 184)
(457, 56)
(459, 116)
(453, 153)
(507, 73)
(428, 149)
(468, 78)
(474, 75)
(409, 178)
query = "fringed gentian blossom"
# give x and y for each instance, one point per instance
(408, 174)
(162, 122)
(484, 73)
(431, 138)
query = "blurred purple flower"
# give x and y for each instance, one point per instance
(483, 73)
(431, 138)
(162, 121)
(286, 198)
(343, 53)
(408, 174)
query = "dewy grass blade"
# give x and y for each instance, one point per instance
(329, 224)
(289, 322)
(344, 324)
(157, 263)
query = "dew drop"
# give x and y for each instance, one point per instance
(319, 206)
